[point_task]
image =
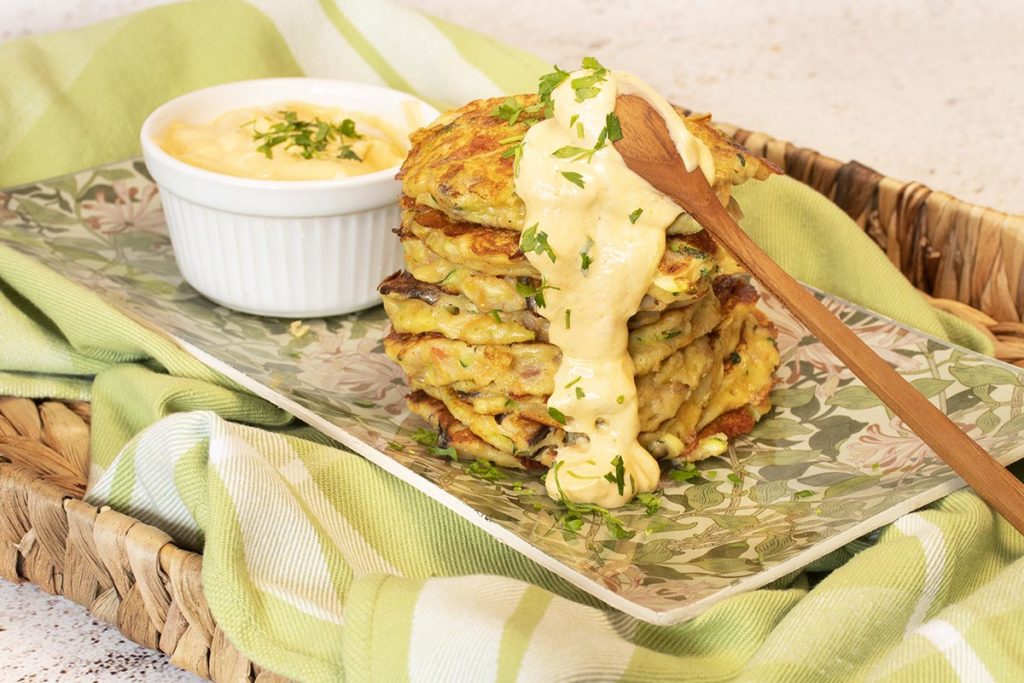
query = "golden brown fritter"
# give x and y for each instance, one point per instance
(459, 165)
(685, 271)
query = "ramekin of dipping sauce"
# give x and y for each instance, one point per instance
(280, 193)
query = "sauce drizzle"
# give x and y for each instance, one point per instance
(596, 234)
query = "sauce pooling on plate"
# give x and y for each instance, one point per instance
(288, 141)
(596, 232)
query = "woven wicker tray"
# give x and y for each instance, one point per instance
(969, 258)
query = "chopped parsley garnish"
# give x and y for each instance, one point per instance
(694, 252)
(572, 521)
(635, 216)
(424, 437)
(621, 399)
(574, 121)
(573, 382)
(346, 152)
(546, 85)
(511, 111)
(688, 471)
(536, 241)
(516, 152)
(568, 318)
(585, 86)
(735, 358)
(526, 289)
(650, 501)
(579, 393)
(496, 315)
(574, 153)
(395, 446)
(310, 138)
(574, 178)
(556, 415)
(484, 469)
(444, 452)
(613, 127)
(428, 439)
(348, 129)
(585, 258)
(618, 476)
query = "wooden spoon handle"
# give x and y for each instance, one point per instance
(981, 471)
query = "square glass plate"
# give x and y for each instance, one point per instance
(828, 464)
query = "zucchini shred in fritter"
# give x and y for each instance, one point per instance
(467, 333)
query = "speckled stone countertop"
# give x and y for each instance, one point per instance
(48, 638)
(926, 90)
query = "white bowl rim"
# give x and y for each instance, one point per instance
(151, 147)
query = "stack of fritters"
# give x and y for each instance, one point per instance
(466, 326)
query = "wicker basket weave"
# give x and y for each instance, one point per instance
(129, 574)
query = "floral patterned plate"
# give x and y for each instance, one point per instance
(827, 465)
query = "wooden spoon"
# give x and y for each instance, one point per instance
(649, 152)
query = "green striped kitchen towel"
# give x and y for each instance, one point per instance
(319, 565)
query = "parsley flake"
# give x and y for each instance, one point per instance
(585, 258)
(557, 415)
(546, 85)
(536, 241)
(484, 469)
(613, 126)
(650, 501)
(689, 471)
(618, 476)
(516, 152)
(424, 437)
(527, 289)
(574, 178)
(444, 452)
(512, 110)
(568, 318)
(573, 153)
(579, 393)
(635, 216)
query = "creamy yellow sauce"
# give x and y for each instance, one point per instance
(228, 145)
(588, 309)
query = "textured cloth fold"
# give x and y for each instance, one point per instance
(321, 566)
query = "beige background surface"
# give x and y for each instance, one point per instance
(925, 90)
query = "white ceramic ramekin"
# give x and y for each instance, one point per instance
(294, 249)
